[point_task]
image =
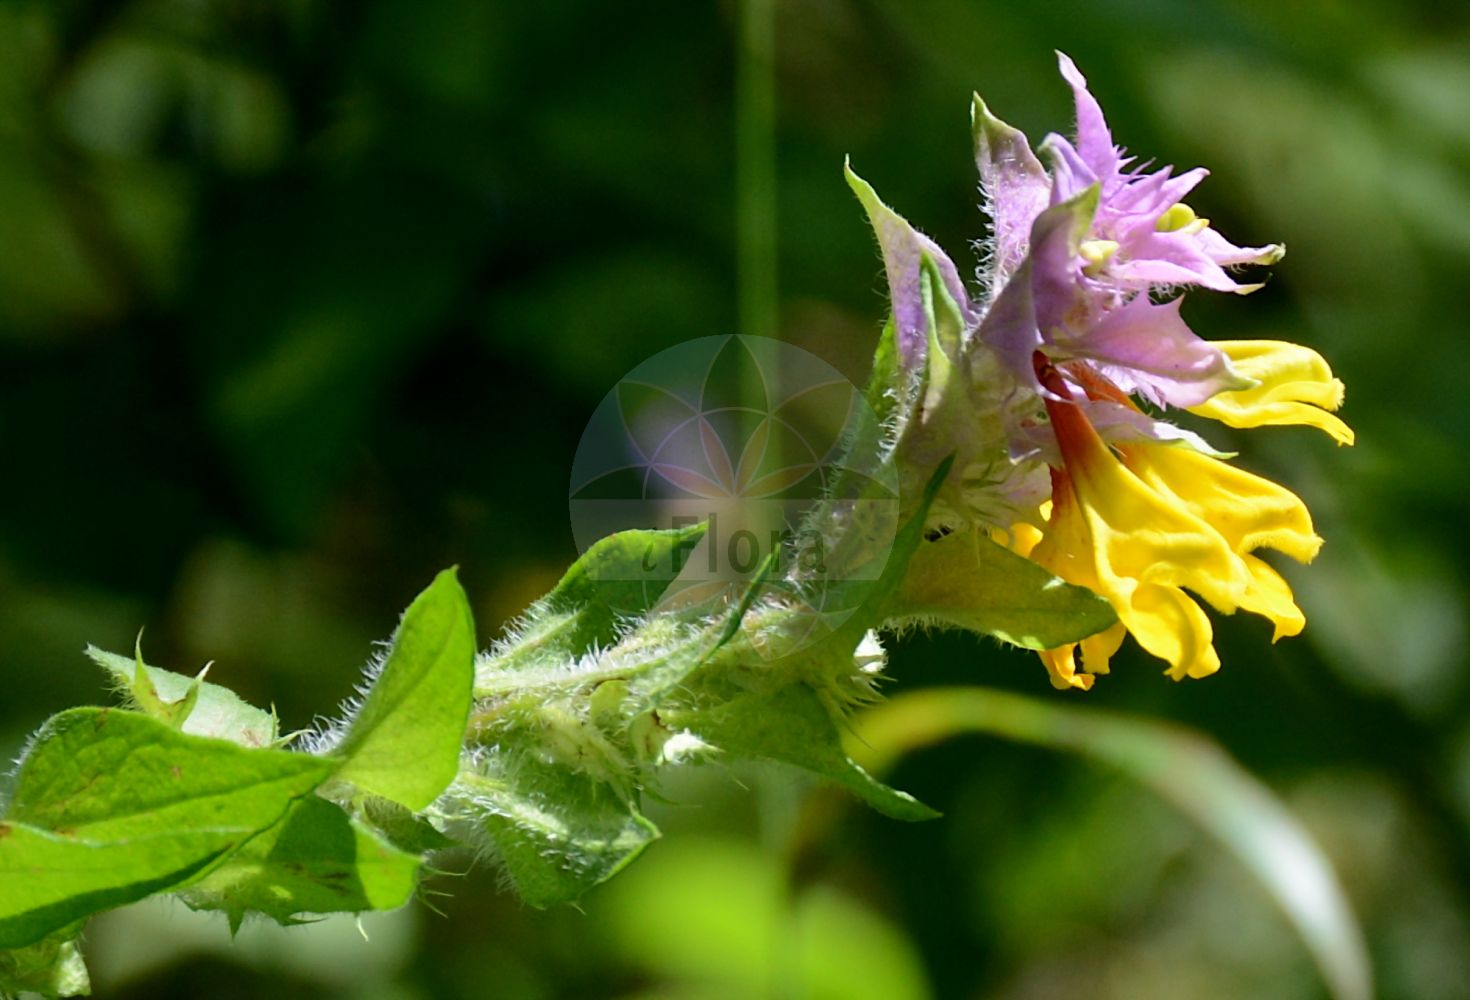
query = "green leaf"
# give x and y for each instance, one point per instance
(217, 710)
(111, 806)
(1183, 767)
(52, 967)
(620, 576)
(315, 860)
(400, 827)
(966, 580)
(557, 832)
(881, 392)
(666, 671)
(404, 743)
(946, 326)
(792, 726)
(869, 597)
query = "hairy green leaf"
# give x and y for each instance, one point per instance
(865, 598)
(316, 860)
(558, 833)
(658, 676)
(217, 711)
(793, 726)
(880, 392)
(404, 742)
(792, 723)
(400, 827)
(111, 806)
(965, 580)
(150, 702)
(619, 577)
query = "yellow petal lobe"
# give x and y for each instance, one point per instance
(1296, 387)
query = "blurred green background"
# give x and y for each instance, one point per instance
(301, 302)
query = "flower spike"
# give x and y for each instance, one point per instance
(1077, 345)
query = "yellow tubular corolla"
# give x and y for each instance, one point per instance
(1140, 523)
(1248, 511)
(1138, 547)
(1296, 387)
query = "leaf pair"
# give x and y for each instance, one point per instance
(111, 806)
(189, 793)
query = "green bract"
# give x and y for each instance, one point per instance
(317, 859)
(216, 711)
(403, 743)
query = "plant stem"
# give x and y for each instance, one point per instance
(755, 169)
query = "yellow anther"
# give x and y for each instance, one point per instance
(1096, 253)
(1181, 217)
(1176, 217)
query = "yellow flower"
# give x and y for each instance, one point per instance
(1143, 524)
(1074, 664)
(1248, 511)
(1296, 387)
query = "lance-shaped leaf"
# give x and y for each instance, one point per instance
(404, 742)
(112, 806)
(967, 581)
(925, 410)
(647, 686)
(400, 827)
(315, 860)
(945, 414)
(620, 576)
(147, 700)
(1183, 767)
(793, 726)
(886, 389)
(217, 711)
(868, 597)
(557, 832)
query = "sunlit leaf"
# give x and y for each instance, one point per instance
(869, 597)
(112, 806)
(793, 726)
(619, 576)
(404, 743)
(556, 832)
(217, 710)
(965, 580)
(315, 860)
